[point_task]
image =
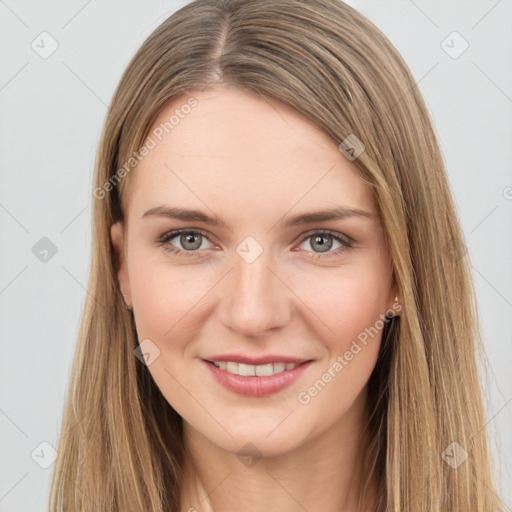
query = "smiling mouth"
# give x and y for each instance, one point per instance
(250, 370)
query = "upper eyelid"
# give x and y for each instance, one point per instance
(170, 235)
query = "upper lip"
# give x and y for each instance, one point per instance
(257, 360)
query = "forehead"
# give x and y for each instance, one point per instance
(235, 147)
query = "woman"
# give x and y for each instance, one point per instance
(280, 309)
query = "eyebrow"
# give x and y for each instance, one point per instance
(337, 213)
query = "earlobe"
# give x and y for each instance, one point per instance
(117, 237)
(396, 306)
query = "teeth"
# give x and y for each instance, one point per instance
(279, 367)
(247, 370)
(232, 367)
(250, 370)
(264, 370)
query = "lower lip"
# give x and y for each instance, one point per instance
(257, 386)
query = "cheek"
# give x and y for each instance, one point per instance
(347, 301)
(350, 305)
(166, 299)
(354, 311)
(167, 307)
(152, 297)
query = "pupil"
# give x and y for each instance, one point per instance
(189, 237)
(322, 240)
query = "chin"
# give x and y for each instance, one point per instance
(258, 445)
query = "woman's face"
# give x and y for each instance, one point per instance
(255, 275)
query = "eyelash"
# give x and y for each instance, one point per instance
(165, 239)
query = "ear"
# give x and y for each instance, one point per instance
(117, 234)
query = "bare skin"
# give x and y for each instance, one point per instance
(254, 163)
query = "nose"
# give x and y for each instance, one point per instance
(255, 298)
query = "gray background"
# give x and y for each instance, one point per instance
(51, 113)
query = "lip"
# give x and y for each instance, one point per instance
(256, 386)
(257, 360)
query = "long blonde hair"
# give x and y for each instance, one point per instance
(121, 447)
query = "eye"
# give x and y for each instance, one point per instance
(320, 242)
(190, 240)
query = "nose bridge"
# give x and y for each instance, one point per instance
(255, 299)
